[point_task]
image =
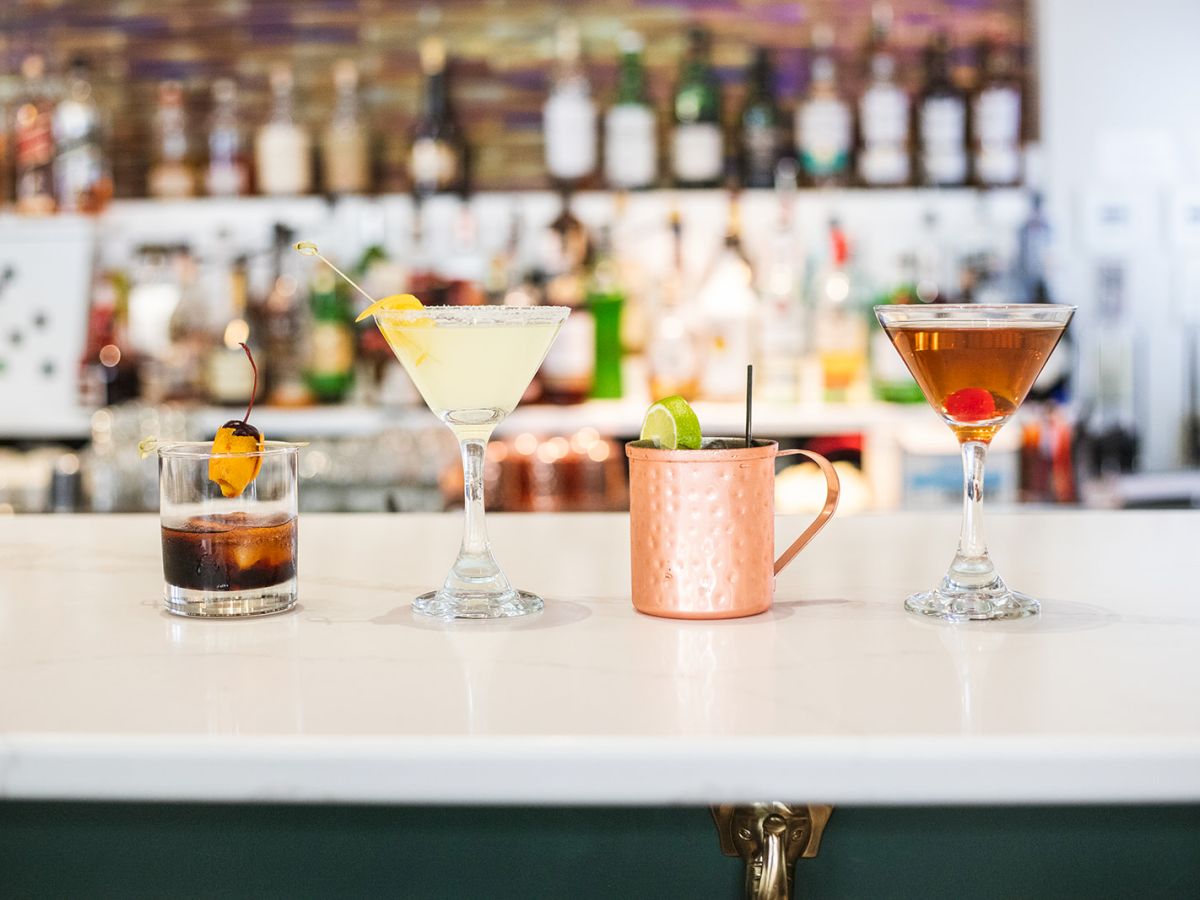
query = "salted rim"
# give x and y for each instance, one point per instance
(975, 314)
(203, 450)
(465, 316)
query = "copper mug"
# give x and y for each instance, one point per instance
(702, 527)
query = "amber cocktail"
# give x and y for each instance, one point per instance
(975, 364)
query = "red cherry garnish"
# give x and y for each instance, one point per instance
(970, 405)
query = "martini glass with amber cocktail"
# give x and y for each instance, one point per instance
(975, 364)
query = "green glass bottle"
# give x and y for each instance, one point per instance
(890, 379)
(606, 299)
(330, 372)
(697, 141)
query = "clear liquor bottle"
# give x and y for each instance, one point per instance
(569, 116)
(823, 119)
(697, 141)
(345, 146)
(780, 280)
(840, 326)
(228, 170)
(282, 147)
(941, 121)
(884, 147)
(172, 174)
(996, 119)
(82, 181)
(673, 353)
(33, 140)
(729, 303)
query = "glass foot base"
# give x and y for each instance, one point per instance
(477, 605)
(965, 606)
(231, 604)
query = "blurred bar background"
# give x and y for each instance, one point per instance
(158, 160)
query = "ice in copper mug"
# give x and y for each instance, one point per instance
(702, 527)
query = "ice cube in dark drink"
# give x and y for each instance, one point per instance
(230, 552)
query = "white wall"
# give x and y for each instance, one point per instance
(1120, 122)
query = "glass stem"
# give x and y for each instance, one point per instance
(972, 567)
(475, 570)
(475, 539)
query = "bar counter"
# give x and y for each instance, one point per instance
(835, 696)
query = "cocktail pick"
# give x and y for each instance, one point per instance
(749, 400)
(308, 248)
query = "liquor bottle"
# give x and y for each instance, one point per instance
(941, 120)
(282, 149)
(839, 328)
(437, 159)
(884, 151)
(569, 116)
(282, 318)
(81, 179)
(996, 119)
(673, 355)
(606, 300)
(890, 379)
(330, 372)
(6, 160)
(630, 129)
(346, 145)
(1034, 258)
(823, 126)
(780, 280)
(228, 171)
(729, 304)
(761, 125)
(33, 140)
(568, 370)
(191, 337)
(171, 174)
(697, 142)
(228, 378)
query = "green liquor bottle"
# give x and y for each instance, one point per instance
(330, 371)
(606, 299)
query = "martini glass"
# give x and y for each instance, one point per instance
(472, 364)
(975, 364)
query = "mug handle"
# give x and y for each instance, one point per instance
(833, 490)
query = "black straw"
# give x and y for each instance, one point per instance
(749, 400)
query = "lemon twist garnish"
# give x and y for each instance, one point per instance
(393, 302)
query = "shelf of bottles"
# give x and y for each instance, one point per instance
(688, 244)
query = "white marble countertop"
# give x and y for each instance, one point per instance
(837, 695)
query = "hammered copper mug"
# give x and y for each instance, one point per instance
(702, 527)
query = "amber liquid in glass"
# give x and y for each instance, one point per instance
(976, 377)
(230, 552)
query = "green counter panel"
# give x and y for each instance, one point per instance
(194, 850)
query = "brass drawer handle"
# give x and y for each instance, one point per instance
(770, 837)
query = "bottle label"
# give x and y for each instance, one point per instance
(569, 120)
(697, 153)
(282, 159)
(998, 116)
(346, 161)
(630, 153)
(884, 115)
(997, 126)
(571, 360)
(332, 348)
(823, 136)
(432, 163)
(943, 137)
(762, 149)
(730, 348)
